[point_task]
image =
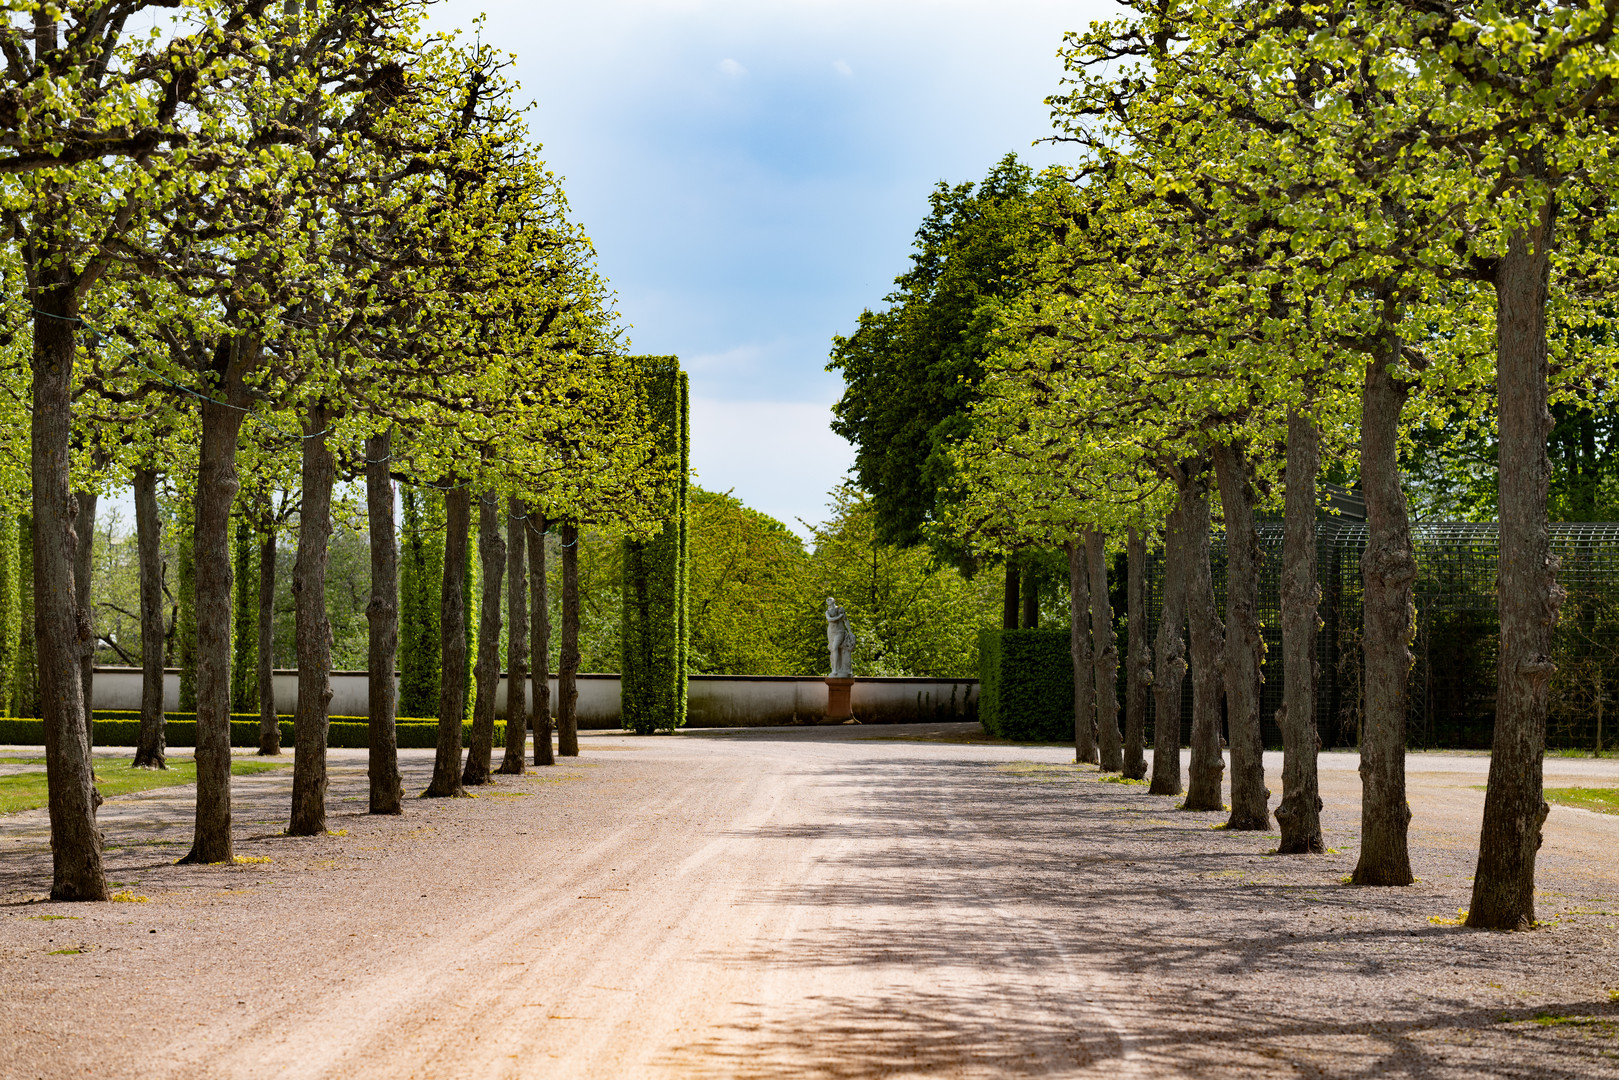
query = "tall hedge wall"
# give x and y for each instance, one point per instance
(421, 579)
(655, 633)
(10, 619)
(244, 672)
(1026, 684)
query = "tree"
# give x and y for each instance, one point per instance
(912, 370)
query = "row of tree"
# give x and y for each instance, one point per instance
(1294, 234)
(257, 247)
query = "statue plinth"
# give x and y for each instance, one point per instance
(837, 699)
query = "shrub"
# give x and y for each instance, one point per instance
(1026, 684)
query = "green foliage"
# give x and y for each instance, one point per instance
(1026, 684)
(655, 630)
(244, 683)
(421, 576)
(912, 370)
(911, 613)
(749, 590)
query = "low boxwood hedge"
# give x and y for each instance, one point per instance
(180, 729)
(1026, 684)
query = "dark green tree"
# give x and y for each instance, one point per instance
(912, 370)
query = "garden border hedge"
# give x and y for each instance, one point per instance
(1026, 684)
(180, 730)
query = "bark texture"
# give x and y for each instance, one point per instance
(1514, 803)
(77, 872)
(84, 527)
(1009, 600)
(1389, 568)
(568, 661)
(1079, 648)
(516, 638)
(1206, 635)
(1244, 647)
(1031, 599)
(223, 411)
(269, 719)
(151, 751)
(1104, 656)
(486, 673)
(1138, 661)
(382, 619)
(1299, 815)
(313, 630)
(540, 600)
(452, 692)
(1171, 650)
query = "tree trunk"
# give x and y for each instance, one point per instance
(492, 558)
(1079, 648)
(1514, 803)
(568, 662)
(84, 526)
(312, 630)
(1138, 661)
(1171, 650)
(222, 413)
(382, 618)
(70, 777)
(452, 689)
(1105, 656)
(516, 639)
(1390, 570)
(1299, 816)
(539, 601)
(151, 751)
(1031, 599)
(1244, 647)
(269, 719)
(1206, 636)
(1009, 602)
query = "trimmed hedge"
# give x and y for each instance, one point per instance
(1026, 684)
(180, 729)
(654, 632)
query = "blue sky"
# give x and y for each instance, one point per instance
(752, 173)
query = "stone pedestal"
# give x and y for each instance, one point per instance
(837, 700)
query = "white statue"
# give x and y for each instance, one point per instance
(839, 641)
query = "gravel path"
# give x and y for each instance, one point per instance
(844, 902)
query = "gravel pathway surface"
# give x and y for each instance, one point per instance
(820, 903)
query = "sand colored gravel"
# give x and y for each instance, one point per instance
(851, 902)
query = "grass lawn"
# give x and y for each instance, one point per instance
(26, 791)
(1604, 800)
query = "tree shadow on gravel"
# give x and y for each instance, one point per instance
(1002, 1029)
(1227, 961)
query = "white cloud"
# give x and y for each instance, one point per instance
(778, 457)
(732, 69)
(842, 68)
